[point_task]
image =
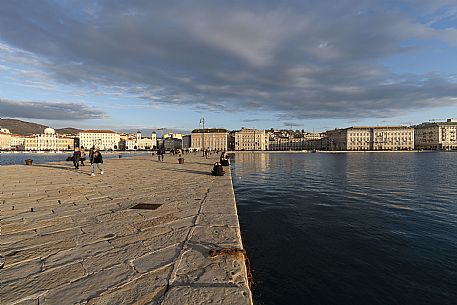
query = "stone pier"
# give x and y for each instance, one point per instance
(69, 238)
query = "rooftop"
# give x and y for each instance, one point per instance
(210, 130)
(96, 131)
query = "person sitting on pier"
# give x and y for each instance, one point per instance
(224, 159)
(218, 170)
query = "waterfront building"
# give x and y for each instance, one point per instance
(31, 143)
(172, 143)
(371, 138)
(101, 139)
(17, 142)
(437, 135)
(250, 139)
(138, 142)
(186, 141)
(293, 140)
(5, 139)
(65, 143)
(172, 136)
(47, 140)
(209, 138)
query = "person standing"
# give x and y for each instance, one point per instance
(96, 161)
(91, 152)
(76, 157)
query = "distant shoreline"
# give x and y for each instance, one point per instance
(337, 151)
(71, 152)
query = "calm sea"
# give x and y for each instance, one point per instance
(19, 158)
(349, 228)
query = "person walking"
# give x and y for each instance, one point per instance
(96, 161)
(83, 155)
(76, 157)
(160, 153)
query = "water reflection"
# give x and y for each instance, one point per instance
(355, 228)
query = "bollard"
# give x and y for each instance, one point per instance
(181, 160)
(28, 162)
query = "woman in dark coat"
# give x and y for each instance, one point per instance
(76, 157)
(96, 161)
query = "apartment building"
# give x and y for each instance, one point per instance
(101, 139)
(5, 139)
(437, 135)
(251, 139)
(371, 138)
(209, 138)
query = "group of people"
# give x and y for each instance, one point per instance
(95, 158)
(218, 169)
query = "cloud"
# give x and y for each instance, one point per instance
(298, 59)
(48, 110)
(292, 124)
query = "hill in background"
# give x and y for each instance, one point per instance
(29, 128)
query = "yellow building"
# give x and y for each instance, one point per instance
(5, 139)
(251, 139)
(30, 143)
(209, 138)
(65, 143)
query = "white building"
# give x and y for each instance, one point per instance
(101, 139)
(371, 138)
(47, 140)
(138, 142)
(251, 139)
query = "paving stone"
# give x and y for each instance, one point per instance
(218, 220)
(89, 286)
(216, 237)
(19, 271)
(139, 236)
(196, 268)
(166, 240)
(143, 290)
(76, 254)
(42, 281)
(116, 256)
(37, 251)
(156, 259)
(207, 296)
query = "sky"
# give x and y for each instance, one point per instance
(312, 65)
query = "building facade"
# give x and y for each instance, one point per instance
(209, 138)
(286, 140)
(437, 136)
(138, 142)
(371, 138)
(101, 139)
(17, 142)
(251, 139)
(5, 139)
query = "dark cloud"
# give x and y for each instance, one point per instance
(48, 110)
(292, 124)
(301, 59)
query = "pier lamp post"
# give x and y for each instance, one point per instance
(202, 122)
